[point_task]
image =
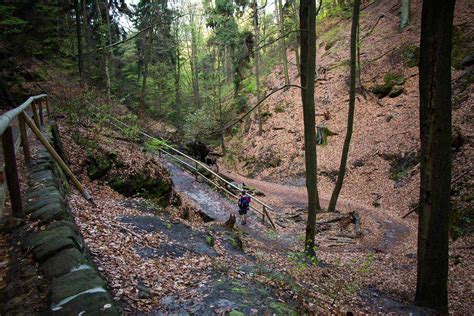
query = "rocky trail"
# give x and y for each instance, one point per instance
(284, 240)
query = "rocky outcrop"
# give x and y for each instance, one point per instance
(143, 177)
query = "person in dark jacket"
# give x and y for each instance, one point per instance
(244, 204)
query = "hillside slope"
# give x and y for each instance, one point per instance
(383, 167)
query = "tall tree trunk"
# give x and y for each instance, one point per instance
(87, 60)
(359, 65)
(111, 67)
(79, 42)
(350, 116)
(405, 14)
(435, 135)
(308, 65)
(105, 50)
(284, 58)
(257, 65)
(296, 22)
(219, 94)
(146, 58)
(177, 85)
(193, 64)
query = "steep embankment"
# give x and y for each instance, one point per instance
(383, 167)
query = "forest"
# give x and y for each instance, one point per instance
(236, 157)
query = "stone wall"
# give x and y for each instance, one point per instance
(75, 286)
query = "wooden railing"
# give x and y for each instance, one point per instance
(11, 123)
(33, 106)
(198, 166)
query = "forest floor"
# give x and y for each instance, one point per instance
(154, 260)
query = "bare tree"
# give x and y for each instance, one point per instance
(350, 116)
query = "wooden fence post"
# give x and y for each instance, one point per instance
(48, 110)
(24, 138)
(11, 172)
(35, 114)
(41, 117)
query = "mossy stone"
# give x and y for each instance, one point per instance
(74, 283)
(396, 91)
(63, 263)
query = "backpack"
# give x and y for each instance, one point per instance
(244, 202)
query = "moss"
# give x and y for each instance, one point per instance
(282, 309)
(462, 44)
(236, 313)
(168, 225)
(392, 85)
(279, 109)
(240, 290)
(209, 240)
(410, 54)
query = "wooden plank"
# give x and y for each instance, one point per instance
(11, 172)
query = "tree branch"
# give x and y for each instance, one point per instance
(256, 105)
(119, 42)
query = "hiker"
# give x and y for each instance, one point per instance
(244, 203)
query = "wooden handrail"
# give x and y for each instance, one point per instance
(204, 166)
(7, 118)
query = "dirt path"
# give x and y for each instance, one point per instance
(286, 198)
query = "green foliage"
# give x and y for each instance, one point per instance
(198, 124)
(392, 79)
(154, 144)
(410, 54)
(367, 263)
(332, 36)
(10, 24)
(301, 260)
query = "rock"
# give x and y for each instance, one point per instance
(63, 263)
(395, 91)
(42, 177)
(98, 164)
(144, 185)
(49, 249)
(74, 283)
(37, 194)
(52, 198)
(467, 61)
(44, 237)
(96, 303)
(143, 291)
(169, 303)
(233, 238)
(381, 91)
(50, 212)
